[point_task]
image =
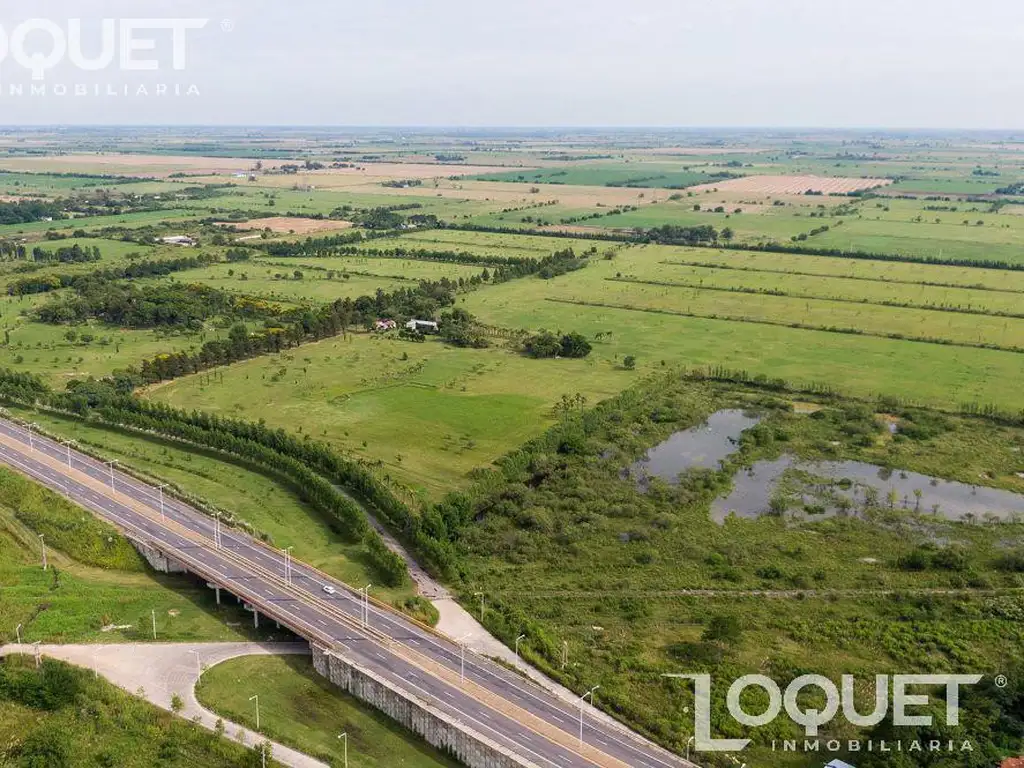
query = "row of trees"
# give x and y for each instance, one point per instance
(52, 282)
(303, 463)
(74, 254)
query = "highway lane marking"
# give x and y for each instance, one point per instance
(118, 511)
(555, 705)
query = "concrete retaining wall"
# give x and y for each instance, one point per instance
(158, 560)
(438, 729)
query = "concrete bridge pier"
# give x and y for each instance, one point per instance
(216, 589)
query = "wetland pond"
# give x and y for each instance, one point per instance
(814, 489)
(700, 447)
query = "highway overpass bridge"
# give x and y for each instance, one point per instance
(482, 713)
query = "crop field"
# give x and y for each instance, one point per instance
(638, 175)
(792, 185)
(372, 267)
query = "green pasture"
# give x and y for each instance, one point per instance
(428, 413)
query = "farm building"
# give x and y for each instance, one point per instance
(423, 326)
(385, 325)
(178, 240)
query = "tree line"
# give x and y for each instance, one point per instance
(53, 282)
(110, 403)
(149, 306)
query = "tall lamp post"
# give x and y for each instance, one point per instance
(256, 698)
(345, 737)
(518, 641)
(583, 698)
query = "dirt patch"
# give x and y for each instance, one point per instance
(792, 185)
(287, 224)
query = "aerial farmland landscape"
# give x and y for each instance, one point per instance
(480, 414)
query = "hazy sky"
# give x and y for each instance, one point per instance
(830, 63)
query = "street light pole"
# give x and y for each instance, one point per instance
(199, 663)
(519, 640)
(111, 464)
(288, 564)
(256, 698)
(153, 612)
(689, 741)
(17, 630)
(161, 489)
(589, 693)
(345, 737)
(42, 545)
(481, 596)
(366, 605)
(462, 646)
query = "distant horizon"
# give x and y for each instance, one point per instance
(847, 64)
(510, 128)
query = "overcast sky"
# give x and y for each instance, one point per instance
(828, 63)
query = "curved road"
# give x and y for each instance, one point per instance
(537, 726)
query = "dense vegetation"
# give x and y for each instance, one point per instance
(60, 717)
(53, 282)
(567, 545)
(26, 211)
(149, 306)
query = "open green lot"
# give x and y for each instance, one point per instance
(304, 711)
(858, 364)
(97, 349)
(279, 283)
(429, 413)
(110, 597)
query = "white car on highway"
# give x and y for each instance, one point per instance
(329, 589)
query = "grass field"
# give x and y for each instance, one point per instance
(73, 602)
(371, 266)
(45, 350)
(622, 175)
(861, 365)
(428, 412)
(304, 711)
(279, 284)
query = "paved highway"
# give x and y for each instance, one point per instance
(495, 702)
